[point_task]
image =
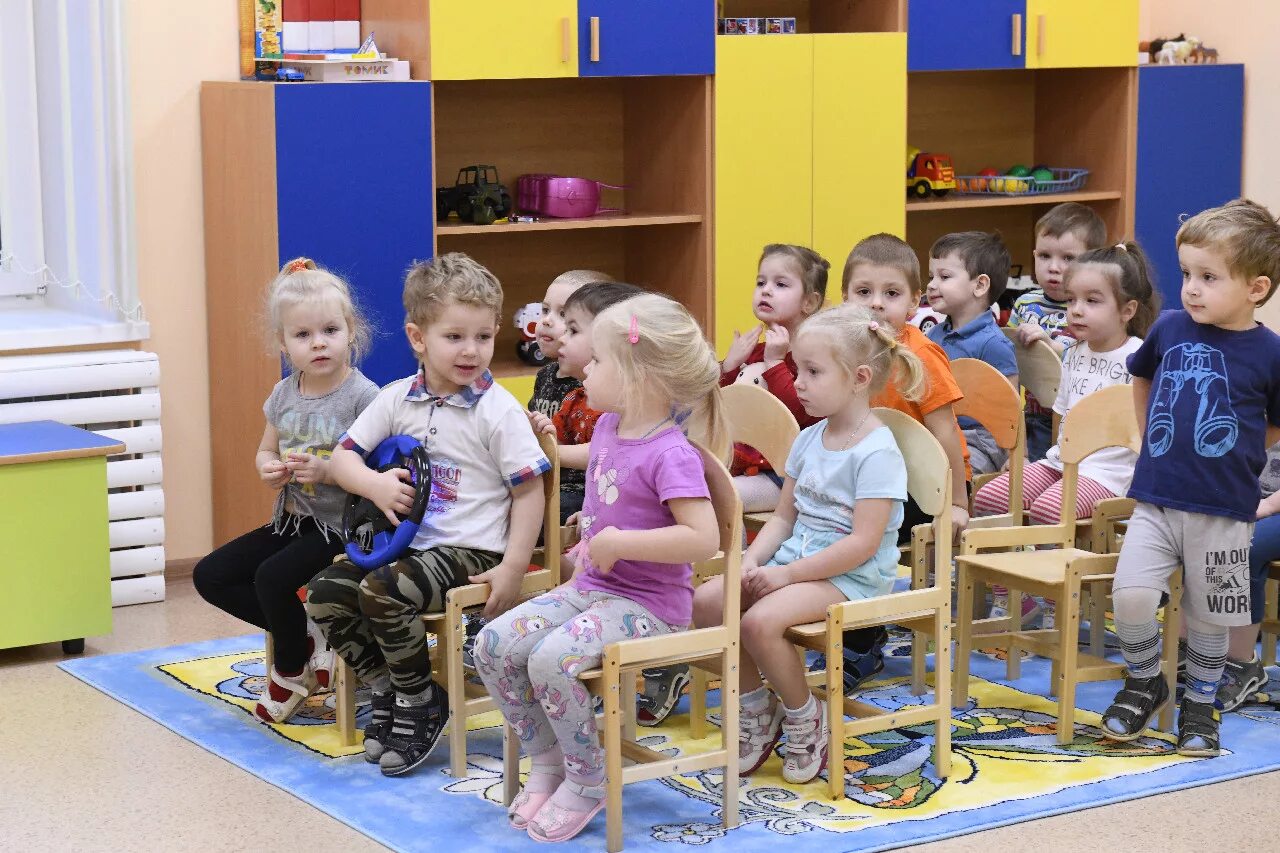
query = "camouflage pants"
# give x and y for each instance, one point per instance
(374, 620)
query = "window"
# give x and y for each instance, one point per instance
(67, 272)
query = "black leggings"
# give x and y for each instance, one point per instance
(257, 576)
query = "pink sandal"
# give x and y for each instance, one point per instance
(525, 806)
(555, 823)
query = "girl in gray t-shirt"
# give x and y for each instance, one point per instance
(257, 576)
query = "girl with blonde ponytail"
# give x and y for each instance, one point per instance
(646, 517)
(841, 507)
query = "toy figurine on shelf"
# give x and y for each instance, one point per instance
(476, 197)
(929, 173)
(527, 319)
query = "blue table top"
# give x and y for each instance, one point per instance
(34, 441)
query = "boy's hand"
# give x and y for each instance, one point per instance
(504, 588)
(541, 423)
(602, 548)
(766, 579)
(393, 493)
(959, 521)
(740, 349)
(307, 468)
(777, 343)
(1030, 332)
(274, 473)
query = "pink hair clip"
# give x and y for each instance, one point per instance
(873, 326)
(634, 334)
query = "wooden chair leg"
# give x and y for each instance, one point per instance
(627, 700)
(835, 713)
(1172, 624)
(698, 703)
(344, 709)
(730, 703)
(269, 656)
(613, 755)
(1013, 663)
(1271, 613)
(510, 764)
(942, 693)
(964, 637)
(1068, 656)
(455, 684)
(1098, 618)
(919, 649)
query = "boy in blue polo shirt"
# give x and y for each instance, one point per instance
(968, 272)
(1206, 383)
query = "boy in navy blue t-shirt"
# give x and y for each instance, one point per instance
(1207, 388)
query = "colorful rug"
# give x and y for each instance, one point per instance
(1007, 764)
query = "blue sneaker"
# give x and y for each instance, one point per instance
(858, 666)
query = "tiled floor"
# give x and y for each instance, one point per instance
(80, 771)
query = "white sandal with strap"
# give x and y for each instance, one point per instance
(269, 710)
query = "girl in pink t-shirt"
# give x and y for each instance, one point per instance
(646, 516)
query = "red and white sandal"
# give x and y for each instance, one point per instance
(322, 660)
(293, 690)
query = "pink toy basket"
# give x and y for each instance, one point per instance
(560, 197)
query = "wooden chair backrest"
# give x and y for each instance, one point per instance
(1105, 418)
(928, 479)
(728, 510)
(989, 399)
(760, 420)
(551, 508)
(1039, 370)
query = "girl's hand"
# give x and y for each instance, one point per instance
(602, 548)
(740, 349)
(542, 425)
(777, 343)
(1029, 333)
(1268, 507)
(959, 521)
(393, 493)
(307, 468)
(766, 579)
(274, 473)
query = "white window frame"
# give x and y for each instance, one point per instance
(68, 271)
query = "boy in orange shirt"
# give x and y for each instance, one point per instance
(883, 275)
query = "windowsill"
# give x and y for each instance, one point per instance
(25, 326)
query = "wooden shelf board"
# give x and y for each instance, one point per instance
(959, 202)
(624, 220)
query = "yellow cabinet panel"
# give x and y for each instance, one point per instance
(521, 387)
(859, 134)
(763, 162)
(1081, 33)
(497, 39)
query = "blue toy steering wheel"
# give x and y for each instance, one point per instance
(364, 522)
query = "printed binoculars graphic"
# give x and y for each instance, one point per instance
(1215, 427)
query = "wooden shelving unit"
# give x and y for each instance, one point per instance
(957, 202)
(605, 220)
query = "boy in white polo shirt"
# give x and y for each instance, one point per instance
(483, 515)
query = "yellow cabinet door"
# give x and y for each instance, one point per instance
(763, 163)
(1081, 33)
(496, 39)
(859, 134)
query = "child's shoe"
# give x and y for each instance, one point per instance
(662, 690)
(758, 734)
(472, 625)
(1134, 707)
(555, 822)
(284, 694)
(415, 731)
(1198, 729)
(1048, 614)
(323, 660)
(1239, 682)
(806, 749)
(858, 666)
(379, 725)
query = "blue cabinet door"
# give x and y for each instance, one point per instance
(943, 35)
(354, 192)
(1190, 153)
(646, 37)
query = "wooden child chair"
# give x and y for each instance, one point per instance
(1271, 614)
(760, 420)
(467, 699)
(1103, 419)
(615, 680)
(995, 404)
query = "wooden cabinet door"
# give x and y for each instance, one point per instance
(621, 38)
(1185, 166)
(859, 135)
(1081, 33)
(763, 163)
(496, 39)
(323, 181)
(943, 35)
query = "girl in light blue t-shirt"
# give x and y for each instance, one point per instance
(833, 536)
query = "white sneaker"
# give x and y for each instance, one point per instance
(300, 687)
(758, 734)
(1048, 610)
(323, 660)
(806, 750)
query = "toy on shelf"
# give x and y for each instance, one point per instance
(1021, 180)
(929, 173)
(476, 196)
(560, 197)
(372, 540)
(527, 348)
(1179, 50)
(756, 26)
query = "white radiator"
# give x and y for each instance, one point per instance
(114, 393)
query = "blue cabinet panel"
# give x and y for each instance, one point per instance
(1189, 158)
(648, 37)
(943, 35)
(355, 193)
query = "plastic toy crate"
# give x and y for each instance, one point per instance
(1064, 180)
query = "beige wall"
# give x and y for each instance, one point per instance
(172, 47)
(1242, 31)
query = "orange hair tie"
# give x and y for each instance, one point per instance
(297, 266)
